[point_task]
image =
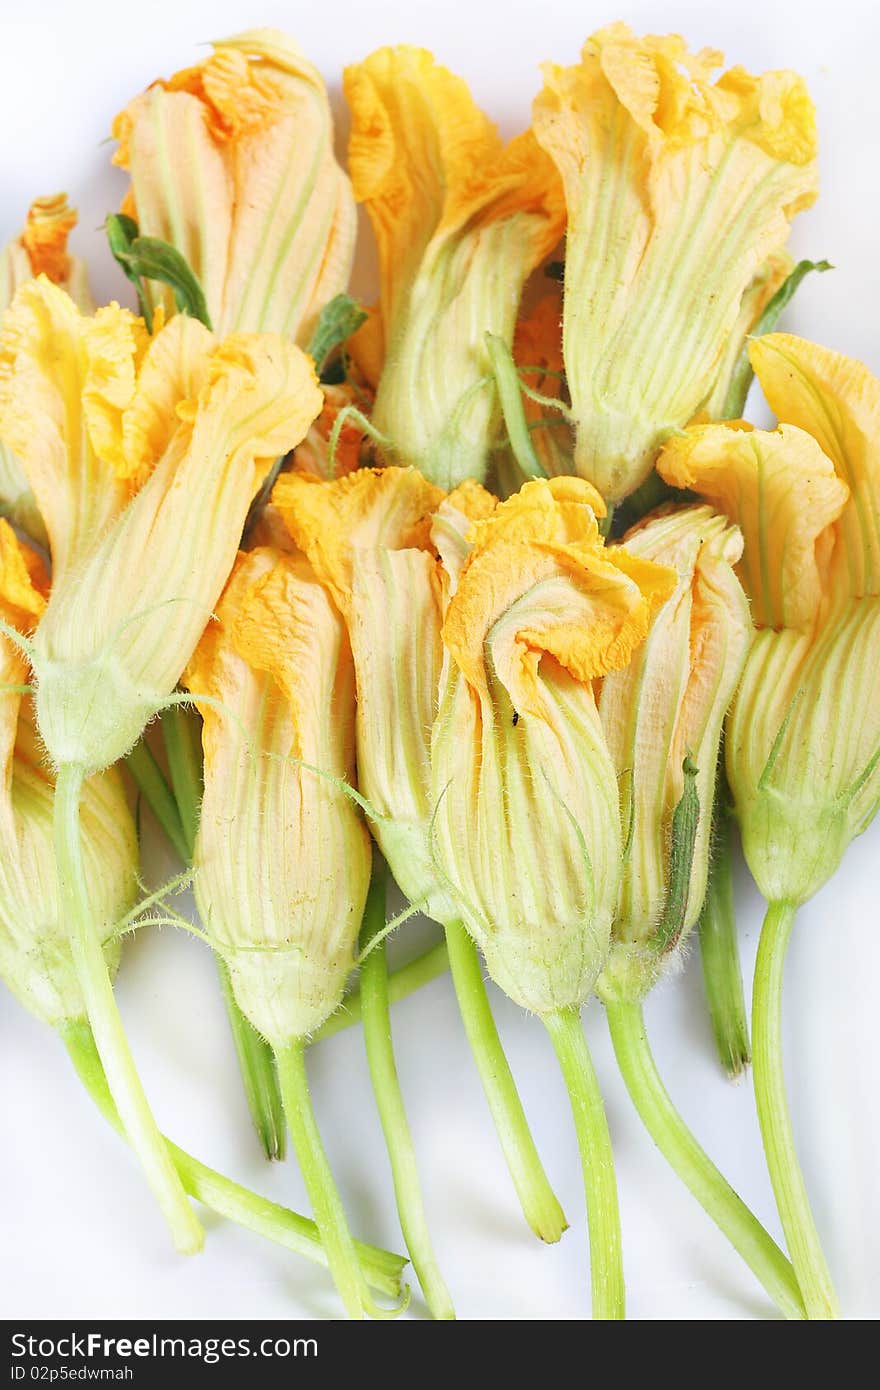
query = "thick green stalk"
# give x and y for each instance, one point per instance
(537, 1198)
(91, 968)
(801, 1235)
(150, 781)
(719, 953)
(390, 1104)
(180, 730)
(323, 1193)
(406, 979)
(597, 1161)
(220, 1194)
(693, 1165)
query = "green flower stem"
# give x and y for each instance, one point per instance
(389, 1102)
(801, 1235)
(220, 1194)
(150, 781)
(693, 1165)
(181, 733)
(91, 969)
(719, 953)
(537, 1198)
(597, 1160)
(323, 1193)
(401, 982)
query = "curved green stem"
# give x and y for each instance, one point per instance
(221, 1194)
(91, 968)
(390, 1104)
(801, 1235)
(537, 1198)
(693, 1165)
(597, 1161)
(719, 953)
(150, 781)
(323, 1193)
(181, 733)
(406, 979)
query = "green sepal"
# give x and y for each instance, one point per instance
(339, 318)
(507, 384)
(149, 258)
(685, 822)
(735, 401)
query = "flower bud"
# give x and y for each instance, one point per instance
(679, 189)
(282, 858)
(663, 715)
(460, 222)
(232, 163)
(803, 740)
(527, 828)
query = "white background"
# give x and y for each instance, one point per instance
(80, 1235)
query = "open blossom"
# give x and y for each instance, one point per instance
(680, 190)
(40, 249)
(460, 221)
(35, 957)
(232, 163)
(477, 632)
(663, 715)
(283, 908)
(143, 454)
(803, 739)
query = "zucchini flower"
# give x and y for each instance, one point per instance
(679, 190)
(232, 163)
(373, 538)
(460, 222)
(803, 763)
(540, 611)
(143, 455)
(35, 957)
(662, 716)
(537, 353)
(41, 249)
(274, 679)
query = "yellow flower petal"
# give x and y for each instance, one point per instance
(232, 163)
(782, 492)
(43, 372)
(115, 638)
(837, 400)
(370, 508)
(678, 190)
(539, 581)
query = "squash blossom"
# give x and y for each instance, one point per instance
(40, 249)
(375, 539)
(143, 455)
(274, 679)
(519, 758)
(803, 738)
(35, 958)
(680, 189)
(276, 661)
(662, 715)
(232, 163)
(460, 222)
